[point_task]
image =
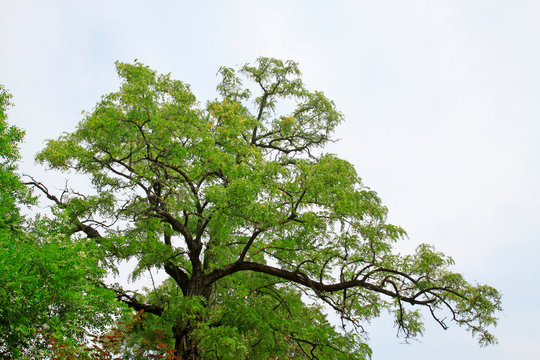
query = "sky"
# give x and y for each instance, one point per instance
(440, 100)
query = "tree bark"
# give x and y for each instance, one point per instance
(186, 346)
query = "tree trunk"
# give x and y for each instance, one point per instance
(187, 347)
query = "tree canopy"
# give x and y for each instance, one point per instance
(260, 231)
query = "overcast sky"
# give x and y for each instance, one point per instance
(440, 98)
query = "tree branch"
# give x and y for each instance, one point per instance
(302, 279)
(79, 225)
(181, 278)
(133, 303)
(248, 245)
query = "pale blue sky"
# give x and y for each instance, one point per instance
(441, 105)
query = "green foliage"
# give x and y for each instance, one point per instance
(48, 280)
(12, 191)
(265, 319)
(250, 316)
(238, 203)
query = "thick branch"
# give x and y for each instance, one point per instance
(178, 275)
(302, 279)
(133, 303)
(194, 247)
(87, 229)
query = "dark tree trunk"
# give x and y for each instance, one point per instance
(184, 345)
(187, 347)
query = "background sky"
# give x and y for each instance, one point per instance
(440, 98)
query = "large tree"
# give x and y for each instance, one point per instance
(258, 229)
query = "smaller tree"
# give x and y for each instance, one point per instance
(49, 280)
(12, 190)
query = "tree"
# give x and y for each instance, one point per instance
(12, 190)
(254, 224)
(48, 280)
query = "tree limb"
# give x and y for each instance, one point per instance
(302, 279)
